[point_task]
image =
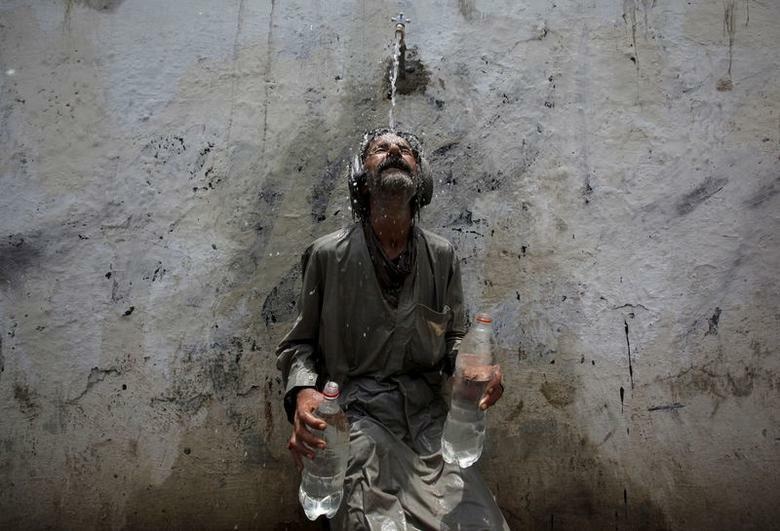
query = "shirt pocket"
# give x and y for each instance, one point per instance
(427, 344)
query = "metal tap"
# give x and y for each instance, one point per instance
(400, 37)
(400, 27)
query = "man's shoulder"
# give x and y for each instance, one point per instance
(332, 241)
(438, 244)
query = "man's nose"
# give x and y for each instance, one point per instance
(394, 149)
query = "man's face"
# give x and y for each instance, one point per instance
(391, 166)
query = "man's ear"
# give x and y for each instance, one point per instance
(357, 182)
(357, 176)
(424, 184)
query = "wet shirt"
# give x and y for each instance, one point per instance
(389, 359)
(346, 328)
(390, 274)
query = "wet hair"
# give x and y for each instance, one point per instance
(358, 190)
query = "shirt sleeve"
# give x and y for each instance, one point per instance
(454, 299)
(297, 353)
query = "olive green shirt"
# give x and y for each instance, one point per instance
(345, 328)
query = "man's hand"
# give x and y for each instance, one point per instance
(494, 391)
(302, 441)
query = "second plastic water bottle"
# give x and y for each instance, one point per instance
(322, 482)
(463, 436)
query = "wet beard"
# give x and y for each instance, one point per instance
(392, 182)
(395, 181)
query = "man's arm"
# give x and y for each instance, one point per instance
(296, 359)
(456, 331)
(296, 353)
(457, 327)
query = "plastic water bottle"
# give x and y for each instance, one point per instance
(463, 436)
(322, 482)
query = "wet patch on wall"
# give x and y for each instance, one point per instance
(413, 76)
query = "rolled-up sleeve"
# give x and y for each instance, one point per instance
(298, 351)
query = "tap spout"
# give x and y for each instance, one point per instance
(400, 38)
(400, 27)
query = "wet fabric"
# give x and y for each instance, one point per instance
(390, 273)
(391, 363)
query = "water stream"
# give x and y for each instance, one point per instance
(394, 78)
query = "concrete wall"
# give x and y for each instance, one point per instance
(611, 188)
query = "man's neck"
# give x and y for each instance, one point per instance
(391, 220)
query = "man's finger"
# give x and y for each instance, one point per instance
(299, 449)
(494, 390)
(311, 420)
(296, 457)
(305, 436)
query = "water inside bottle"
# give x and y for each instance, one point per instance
(321, 490)
(463, 436)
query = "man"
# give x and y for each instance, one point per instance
(381, 313)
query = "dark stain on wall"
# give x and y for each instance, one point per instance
(713, 323)
(628, 349)
(467, 10)
(319, 197)
(764, 193)
(26, 398)
(690, 201)
(100, 5)
(17, 254)
(667, 407)
(164, 148)
(222, 367)
(280, 304)
(558, 394)
(718, 383)
(264, 218)
(622, 397)
(729, 28)
(205, 372)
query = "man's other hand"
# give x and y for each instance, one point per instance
(494, 390)
(303, 441)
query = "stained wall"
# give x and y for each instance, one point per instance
(607, 170)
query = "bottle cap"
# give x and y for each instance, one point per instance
(331, 390)
(483, 318)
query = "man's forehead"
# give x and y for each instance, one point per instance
(389, 137)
